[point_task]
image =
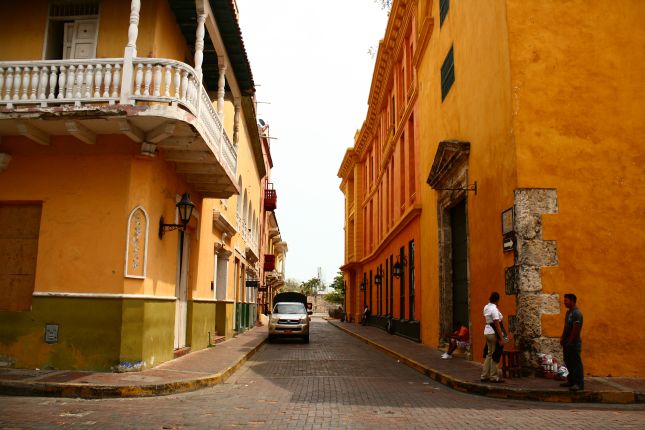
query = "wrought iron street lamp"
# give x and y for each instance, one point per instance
(185, 207)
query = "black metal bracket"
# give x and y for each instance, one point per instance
(472, 187)
(168, 227)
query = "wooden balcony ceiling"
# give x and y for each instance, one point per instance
(175, 141)
(229, 28)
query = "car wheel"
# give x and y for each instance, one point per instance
(306, 339)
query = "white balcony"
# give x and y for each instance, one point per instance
(163, 106)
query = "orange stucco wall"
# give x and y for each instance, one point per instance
(578, 126)
(23, 39)
(476, 110)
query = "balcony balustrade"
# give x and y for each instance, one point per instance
(270, 198)
(69, 86)
(269, 262)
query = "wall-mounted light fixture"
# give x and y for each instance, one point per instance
(397, 269)
(185, 207)
(363, 285)
(378, 278)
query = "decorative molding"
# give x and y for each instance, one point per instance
(450, 154)
(223, 224)
(136, 259)
(101, 295)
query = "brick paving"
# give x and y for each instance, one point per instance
(335, 382)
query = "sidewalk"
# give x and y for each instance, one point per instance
(463, 375)
(188, 373)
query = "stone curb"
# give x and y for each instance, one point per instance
(87, 391)
(556, 396)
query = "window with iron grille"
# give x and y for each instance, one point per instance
(67, 8)
(447, 74)
(444, 5)
(402, 291)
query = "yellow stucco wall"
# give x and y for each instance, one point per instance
(23, 38)
(578, 125)
(476, 110)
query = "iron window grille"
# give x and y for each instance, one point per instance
(447, 74)
(444, 5)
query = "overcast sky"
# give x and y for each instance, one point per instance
(310, 61)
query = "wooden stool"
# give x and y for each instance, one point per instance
(511, 367)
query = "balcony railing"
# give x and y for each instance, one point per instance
(56, 83)
(269, 262)
(270, 198)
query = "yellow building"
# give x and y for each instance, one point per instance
(529, 159)
(108, 117)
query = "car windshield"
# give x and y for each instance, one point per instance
(290, 308)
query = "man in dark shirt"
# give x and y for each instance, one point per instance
(572, 344)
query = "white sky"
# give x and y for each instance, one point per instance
(310, 61)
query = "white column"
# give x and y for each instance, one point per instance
(130, 52)
(220, 92)
(237, 102)
(199, 46)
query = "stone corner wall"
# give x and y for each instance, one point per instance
(524, 279)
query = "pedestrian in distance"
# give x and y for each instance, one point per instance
(366, 315)
(495, 338)
(459, 338)
(571, 343)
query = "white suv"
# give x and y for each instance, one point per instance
(289, 319)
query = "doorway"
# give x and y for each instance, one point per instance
(72, 30)
(459, 263)
(181, 290)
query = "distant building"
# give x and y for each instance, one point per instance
(502, 150)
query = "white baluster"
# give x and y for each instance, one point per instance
(98, 81)
(9, 83)
(25, 83)
(42, 85)
(35, 78)
(138, 80)
(108, 80)
(53, 77)
(78, 93)
(89, 81)
(17, 77)
(1, 81)
(199, 46)
(221, 82)
(166, 81)
(62, 82)
(184, 85)
(157, 81)
(71, 74)
(116, 82)
(177, 82)
(148, 80)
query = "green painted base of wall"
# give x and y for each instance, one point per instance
(201, 324)
(224, 319)
(93, 334)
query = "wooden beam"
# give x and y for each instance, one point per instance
(79, 131)
(161, 132)
(130, 130)
(199, 168)
(189, 156)
(207, 179)
(178, 142)
(32, 133)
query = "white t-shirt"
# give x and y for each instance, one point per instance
(491, 313)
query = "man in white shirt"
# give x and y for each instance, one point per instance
(493, 335)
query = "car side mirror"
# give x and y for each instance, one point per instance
(310, 312)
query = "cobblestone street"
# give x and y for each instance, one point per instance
(335, 382)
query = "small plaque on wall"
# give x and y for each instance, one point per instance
(507, 221)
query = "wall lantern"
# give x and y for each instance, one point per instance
(185, 207)
(363, 285)
(377, 278)
(397, 269)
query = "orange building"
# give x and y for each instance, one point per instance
(527, 163)
(111, 114)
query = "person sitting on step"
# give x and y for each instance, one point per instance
(458, 339)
